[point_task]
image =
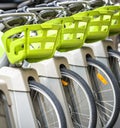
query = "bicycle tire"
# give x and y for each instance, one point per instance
(114, 88)
(114, 58)
(86, 90)
(39, 88)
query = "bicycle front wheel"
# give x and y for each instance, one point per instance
(106, 91)
(48, 110)
(80, 100)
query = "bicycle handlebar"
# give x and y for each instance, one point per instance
(46, 13)
(16, 18)
(30, 3)
(41, 5)
(26, 3)
(96, 3)
(44, 8)
(69, 2)
(51, 10)
(8, 11)
(16, 14)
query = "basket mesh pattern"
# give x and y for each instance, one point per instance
(99, 25)
(31, 42)
(73, 32)
(115, 23)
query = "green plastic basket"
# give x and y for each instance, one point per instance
(31, 42)
(99, 25)
(115, 24)
(73, 33)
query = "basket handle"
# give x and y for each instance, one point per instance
(29, 3)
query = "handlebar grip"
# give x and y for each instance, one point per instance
(76, 7)
(41, 5)
(97, 3)
(23, 9)
(26, 3)
(52, 4)
(1, 11)
(48, 13)
(9, 11)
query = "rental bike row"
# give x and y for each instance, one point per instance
(75, 88)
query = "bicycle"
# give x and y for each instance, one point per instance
(37, 90)
(114, 30)
(8, 20)
(113, 55)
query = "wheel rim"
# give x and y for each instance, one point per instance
(48, 114)
(106, 106)
(78, 118)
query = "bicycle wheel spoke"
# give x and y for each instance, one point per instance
(83, 115)
(104, 91)
(46, 107)
(49, 111)
(102, 118)
(103, 107)
(80, 126)
(77, 97)
(106, 94)
(34, 96)
(106, 102)
(52, 124)
(105, 114)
